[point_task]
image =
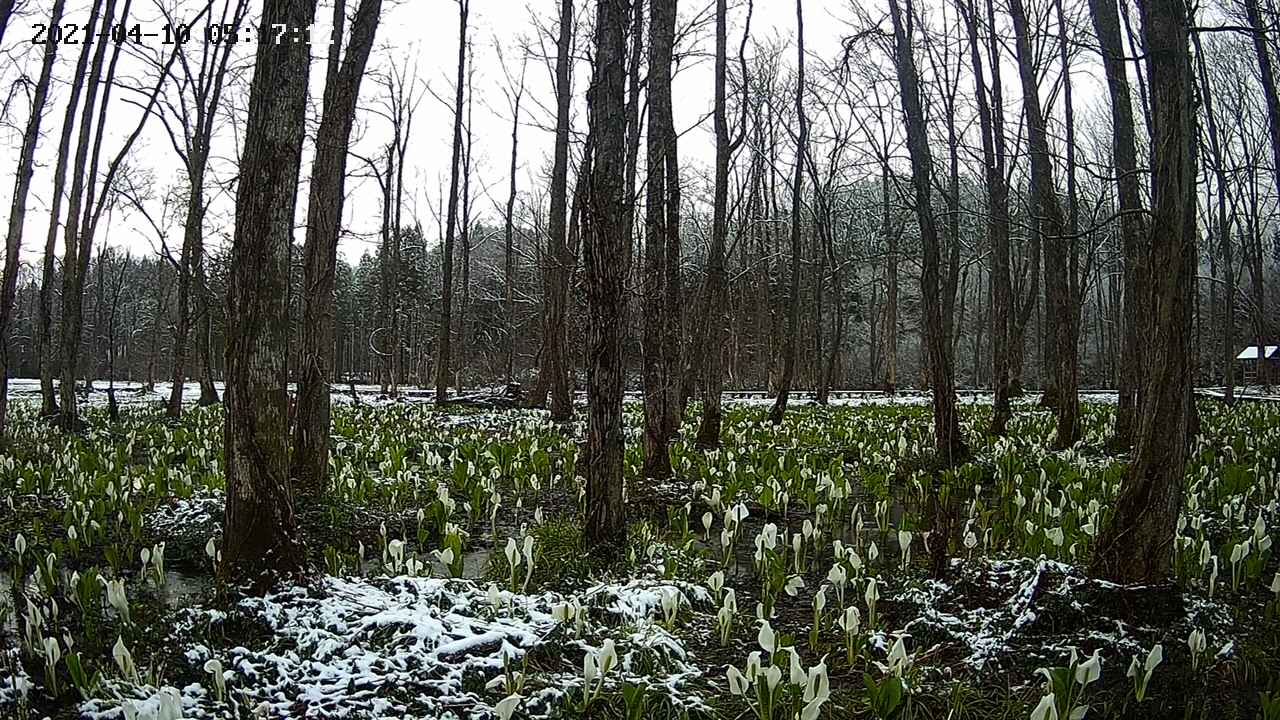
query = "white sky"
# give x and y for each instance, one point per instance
(421, 32)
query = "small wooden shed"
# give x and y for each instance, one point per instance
(1259, 366)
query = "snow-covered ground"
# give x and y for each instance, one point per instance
(132, 393)
(412, 647)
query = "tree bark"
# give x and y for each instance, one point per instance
(1059, 309)
(950, 446)
(556, 260)
(75, 256)
(1136, 546)
(18, 208)
(790, 348)
(1267, 72)
(1223, 239)
(890, 332)
(1106, 24)
(661, 315)
(445, 339)
(717, 317)
(604, 223)
(993, 154)
(508, 232)
(261, 538)
(309, 464)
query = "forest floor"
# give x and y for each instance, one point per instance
(451, 578)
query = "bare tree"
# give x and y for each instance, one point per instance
(604, 223)
(661, 361)
(81, 229)
(1058, 241)
(995, 157)
(309, 465)
(18, 208)
(190, 122)
(950, 444)
(444, 343)
(717, 284)
(44, 334)
(1106, 24)
(1137, 545)
(557, 259)
(514, 96)
(260, 535)
(790, 345)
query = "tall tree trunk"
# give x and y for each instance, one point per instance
(18, 208)
(557, 262)
(1059, 308)
(464, 309)
(661, 317)
(1106, 24)
(717, 317)
(1224, 226)
(445, 341)
(388, 275)
(890, 332)
(993, 155)
(604, 223)
(44, 335)
(309, 464)
(950, 446)
(204, 328)
(75, 260)
(1266, 70)
(1137, 545)
(790, 348)
(193, 229)
(508, 232)
(261, 536)
(1069, 362)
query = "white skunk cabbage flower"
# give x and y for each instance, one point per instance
(506, 707)
(1089, 670)
(768, 641)
(214, 668)
(794, 584)
(738, 683)
(1047, 709)
(124, 660)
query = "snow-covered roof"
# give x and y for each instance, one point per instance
(1251, 352)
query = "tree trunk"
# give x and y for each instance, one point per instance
(75, 260)
(790, 348)
(508, 233)
(445, 341)
(18, 208)
(1106, 24)
(993, 155)
(45, 348)
(261, 536)
(388, 273)
(604, 223)
(890, 332)
(661, 317)
(717, 318)
(193, 229)
(1224, 228)
(464, 309)
(309, 464)
(1059, 308)
(950, 446)
(557, 262)
(1137, 545)
(1265, 69)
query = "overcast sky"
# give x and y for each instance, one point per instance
(415, 33)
